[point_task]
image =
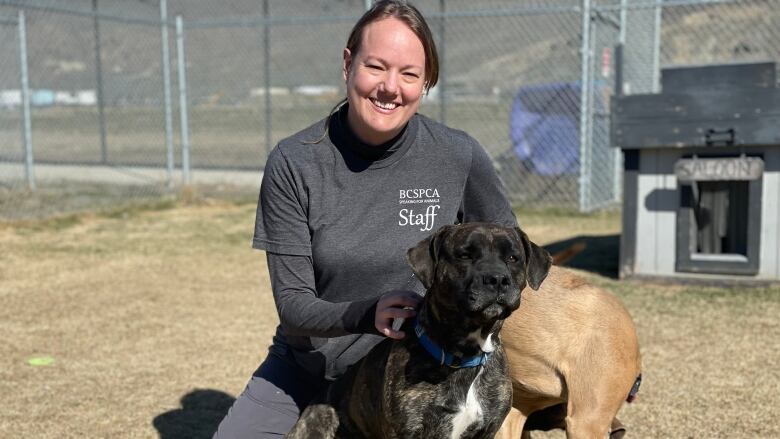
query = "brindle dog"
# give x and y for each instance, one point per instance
(448, 377)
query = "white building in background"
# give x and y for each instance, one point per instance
(65, 98)
(274, 91)
(10, 98)
(86, 97)
(316, 90)
(13, 98)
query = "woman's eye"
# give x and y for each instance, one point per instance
(411, 75)
(374, 67)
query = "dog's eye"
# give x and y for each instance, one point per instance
(512, 258)
(464, 256)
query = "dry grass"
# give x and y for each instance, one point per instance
(138, 310)
(156, 317)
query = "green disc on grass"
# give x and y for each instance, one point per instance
(44, 360)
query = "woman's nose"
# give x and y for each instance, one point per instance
(390, 84)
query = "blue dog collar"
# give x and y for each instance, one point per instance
(445, 357)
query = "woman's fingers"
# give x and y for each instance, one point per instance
(384, 321)
(395, 305)
(398, 313)
(399, 299)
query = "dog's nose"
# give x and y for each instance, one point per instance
(495, 280)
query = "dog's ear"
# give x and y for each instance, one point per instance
(538, 261)
(423, 256)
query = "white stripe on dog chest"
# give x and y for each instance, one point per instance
(486, 344)
(470, 411)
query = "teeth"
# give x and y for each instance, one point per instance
(384, 105)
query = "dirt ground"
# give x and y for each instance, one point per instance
(155, 317)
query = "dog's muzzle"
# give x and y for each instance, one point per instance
(493, 294)
(496, 281)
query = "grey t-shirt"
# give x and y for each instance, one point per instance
(337, 216)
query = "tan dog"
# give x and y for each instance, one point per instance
(573, 357)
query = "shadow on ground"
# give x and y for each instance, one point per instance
(600, 255)
(199, 416)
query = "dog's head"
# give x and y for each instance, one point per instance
(481, 267)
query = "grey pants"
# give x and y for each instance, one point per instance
(270, 404)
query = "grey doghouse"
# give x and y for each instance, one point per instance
(701, 194)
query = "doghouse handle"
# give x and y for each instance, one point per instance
(715, 137)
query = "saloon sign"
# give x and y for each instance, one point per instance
(720, 169)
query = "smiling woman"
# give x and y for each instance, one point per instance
(385, 80)
(389, 62)
(338, 210)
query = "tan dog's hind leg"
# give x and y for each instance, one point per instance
(592, 407)
(585, 422)
(513, 424)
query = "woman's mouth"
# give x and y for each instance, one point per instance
(388, 106)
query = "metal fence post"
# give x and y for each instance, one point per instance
(99, 83)
(183, 109)
(617, 179)
(267, 75)
(657, 47)
(584, 177)
(623, 21)
(166, 68)
(27, 123)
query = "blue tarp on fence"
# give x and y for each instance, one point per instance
(544, 127)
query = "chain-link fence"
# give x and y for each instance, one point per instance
(156, 93)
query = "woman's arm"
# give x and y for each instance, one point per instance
(302, 313)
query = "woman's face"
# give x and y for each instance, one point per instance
(385, 80)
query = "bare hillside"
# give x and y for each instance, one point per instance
(508, 44)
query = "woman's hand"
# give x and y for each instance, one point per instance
(392, 305)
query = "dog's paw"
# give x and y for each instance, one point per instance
(318, 421)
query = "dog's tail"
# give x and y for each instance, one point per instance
(634, 389)
(569, 253)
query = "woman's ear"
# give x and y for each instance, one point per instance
(347, 63)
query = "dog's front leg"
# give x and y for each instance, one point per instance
(318, 421)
